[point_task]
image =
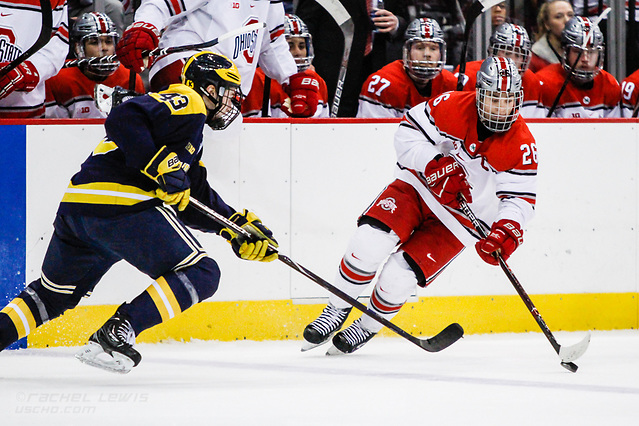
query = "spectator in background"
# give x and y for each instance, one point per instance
(498, 14)
(419, 77)
(591, 92)
(114, 9)
(70, 93)
(368, 50)
(22, 88)
(450, 16)
(512, 41)
(300, 45)
(551, 20)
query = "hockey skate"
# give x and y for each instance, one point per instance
(322, 329)
(111, 347)
(350, 339)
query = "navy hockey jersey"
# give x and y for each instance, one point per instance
(110, 181)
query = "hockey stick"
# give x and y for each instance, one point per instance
(567, 354)
(477, 8)
(574, 65)
(168, 50)
(440, 341)
(345, 22)
(42, 40)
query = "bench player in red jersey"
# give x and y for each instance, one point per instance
(512, 41)
(591, 92)
(281, 105)
(420, 76)
(70, 93)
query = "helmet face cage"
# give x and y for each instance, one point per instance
(511, 41)
(577, 30)
(94, 26)
(294, 27)
(207, 68)
(423, 30)
(499, 94)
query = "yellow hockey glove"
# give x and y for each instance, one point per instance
(170, 174)
(257, 246)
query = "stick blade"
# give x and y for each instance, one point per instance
(571, 353)
(443, 339)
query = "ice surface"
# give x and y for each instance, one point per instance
(506, 379)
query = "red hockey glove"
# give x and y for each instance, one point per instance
(304, 92)
(505, 236)
(139, 38)
(446, 179)
(23, 78)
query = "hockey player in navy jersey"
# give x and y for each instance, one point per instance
(115, 208)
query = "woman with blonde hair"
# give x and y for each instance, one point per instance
(551, 19)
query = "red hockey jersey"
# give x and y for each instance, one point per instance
(70, 94)
(599, 101)
(502, 169)
(629, 94)
(252, 104)
(390, 92)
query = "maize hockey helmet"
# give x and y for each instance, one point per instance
(511, 41)
(294, 27)
(207, 68)
(424, 30)
(499, 94)
(581, 34)
(98, 28)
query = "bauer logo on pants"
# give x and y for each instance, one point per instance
(388, 204)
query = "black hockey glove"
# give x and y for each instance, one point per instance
(170, 173)
(256, 247)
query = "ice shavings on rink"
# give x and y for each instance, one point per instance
(506, 379)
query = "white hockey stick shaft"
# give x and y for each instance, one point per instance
(345, 22)
(168, 50)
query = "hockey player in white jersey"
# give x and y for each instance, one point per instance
(22, 89)
(469, 143)
(196, 21)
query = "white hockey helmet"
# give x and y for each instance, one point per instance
(499, 94)
(511, 41)
(94, 26)
(295, 27)
(424, 30)
(582, 34)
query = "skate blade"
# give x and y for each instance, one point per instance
(307, 346)
(92, 354)
(334, 351)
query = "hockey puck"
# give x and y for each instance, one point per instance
(570, 366)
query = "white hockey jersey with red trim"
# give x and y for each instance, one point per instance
(502, 169)
(70, 93)
(389, 92)
(531, 107)
(20, 24)
(196, 21)
(252, 103)
(601, 100)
